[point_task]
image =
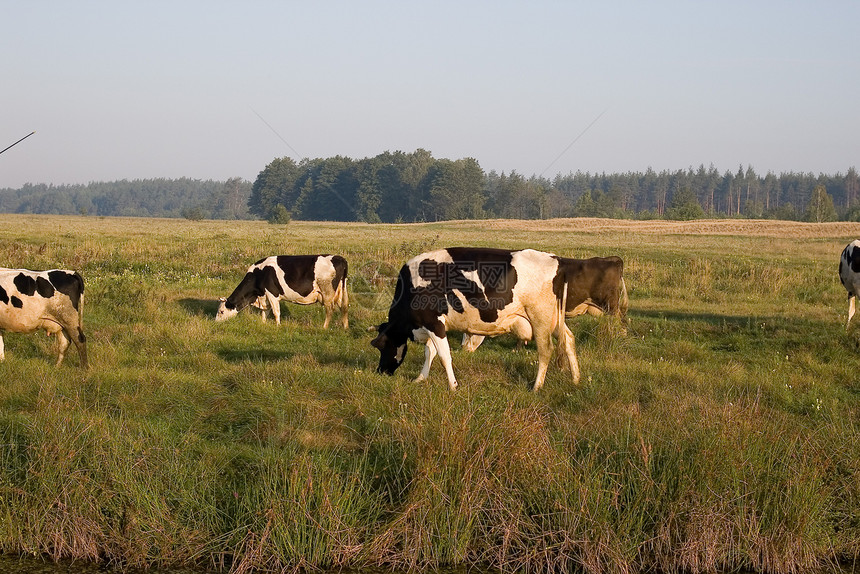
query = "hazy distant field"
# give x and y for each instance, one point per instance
(722, 432)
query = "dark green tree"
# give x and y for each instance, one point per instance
(685, 206)
(455, 190)
(330, 193)
(275, 185)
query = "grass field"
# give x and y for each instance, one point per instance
(722, 432)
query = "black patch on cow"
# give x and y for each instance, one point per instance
(340, 270)
(17, 303)
(841, 275)
(71, 284)
(4, 297)
(44, 287)
(266, 279)
(298, 272)
(25, 284)
(248, 290)
(454, 302)
(854, 258)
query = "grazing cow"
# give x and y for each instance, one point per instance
(479, 291)
(595, 286)
(51, 300)
(302, 279)
(849, 275)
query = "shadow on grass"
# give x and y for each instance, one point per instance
(206, 307)
(750, 333)
(255, 355)
(709, 318)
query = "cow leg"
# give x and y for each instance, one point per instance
(2, 349)
(850, 311)
(329, 309)
(62, 345)
(344, 305)
(429, 355)
(81, 345)
(567, 351)
(444, 351)
(275, 304)
(543, 340)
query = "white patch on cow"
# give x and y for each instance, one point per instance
(533, 268)
(324, 268)
(439, 256)
(420, 335)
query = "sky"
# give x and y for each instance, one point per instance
(215, 90)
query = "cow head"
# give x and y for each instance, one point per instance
(392, 349)
(225, 310)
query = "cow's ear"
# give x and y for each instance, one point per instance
(380, 341)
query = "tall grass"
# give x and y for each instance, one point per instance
(721, 433)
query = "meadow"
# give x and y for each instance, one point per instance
(722, 432)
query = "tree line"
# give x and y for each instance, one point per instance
(183, 197)
(398, 186)
(408, 187)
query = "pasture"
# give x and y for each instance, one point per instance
(722, 432)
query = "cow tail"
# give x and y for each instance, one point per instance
(562, 304)
(342, 295)
(82, 339)
(562, 333)
(623, 302)
(80, 303)
(343, 299)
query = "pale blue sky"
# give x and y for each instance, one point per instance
(212, 89)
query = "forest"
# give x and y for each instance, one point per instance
(184, 197)
(408, 187)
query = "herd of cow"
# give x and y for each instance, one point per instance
(477, 291)
(480, 292)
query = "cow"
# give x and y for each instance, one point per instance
(849, 275)
(481, 291)
(302, 279)
(52, 300)
(595, 286)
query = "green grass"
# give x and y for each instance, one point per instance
(723, 432)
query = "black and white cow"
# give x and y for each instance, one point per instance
(302, 279)
(595, 286)
(849, 275)
(51, 300)
(479, 291)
